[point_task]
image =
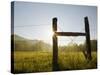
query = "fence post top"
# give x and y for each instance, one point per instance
(55, 19)
(86, 17)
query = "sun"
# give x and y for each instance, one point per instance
(51, 33)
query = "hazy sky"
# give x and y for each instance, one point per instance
(34, 20)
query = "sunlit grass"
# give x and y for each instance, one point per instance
(38, 61)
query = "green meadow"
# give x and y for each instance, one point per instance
(41, 61)
(36, 56)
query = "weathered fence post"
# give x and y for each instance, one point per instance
(55, 46)
(88, 44)
(55, 41)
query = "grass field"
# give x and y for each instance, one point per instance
(32, 61)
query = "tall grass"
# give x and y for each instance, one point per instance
(39, 61)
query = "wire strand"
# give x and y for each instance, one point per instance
(32, 25)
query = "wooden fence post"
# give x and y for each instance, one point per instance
(55, 46)
(88, 44)
(55, 41)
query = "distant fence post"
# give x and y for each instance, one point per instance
(55, 46)
(88, 44)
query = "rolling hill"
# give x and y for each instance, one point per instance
(21, 43)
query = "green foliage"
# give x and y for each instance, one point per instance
(81, 47)
(69, 48)
(93, 45)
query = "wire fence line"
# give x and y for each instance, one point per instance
(73, 39)
(33, 25)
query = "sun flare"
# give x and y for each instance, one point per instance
(51, 33)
